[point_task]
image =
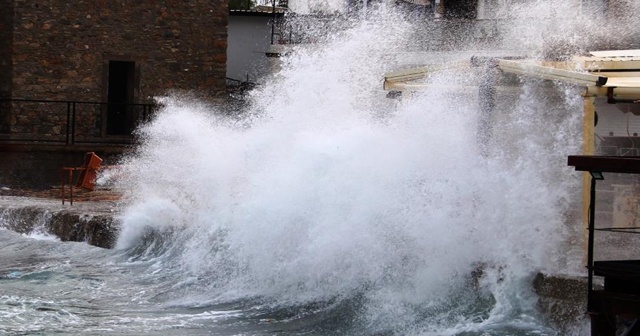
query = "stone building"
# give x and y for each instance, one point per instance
(109, 54)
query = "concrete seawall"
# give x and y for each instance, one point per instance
(561, 299)
(93, 222)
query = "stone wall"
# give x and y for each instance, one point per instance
(562, 300)
(6, 23)
(5, 46)
(61, 48)
(92, 222)
(39, 166)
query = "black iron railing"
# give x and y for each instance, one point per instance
(70, 122)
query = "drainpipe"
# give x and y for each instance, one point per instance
(365, 4)
(486, 69)
(480, 10)
(438, 10)
(273, 22)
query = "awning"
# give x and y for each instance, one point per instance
(613, 74)
(419, 2)
(413, 79)
(535, 69)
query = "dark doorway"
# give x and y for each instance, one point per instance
(460, 9)
(120, 96)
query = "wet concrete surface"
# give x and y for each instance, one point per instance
(562, 300)
(92, 218)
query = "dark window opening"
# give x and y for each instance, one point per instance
(416, 9)
(120, 96)
(460, 9)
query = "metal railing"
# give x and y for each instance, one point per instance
(70, 122)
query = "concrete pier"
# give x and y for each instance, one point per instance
(92, 221)
(562, 299)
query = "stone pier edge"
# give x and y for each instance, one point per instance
(561, 298)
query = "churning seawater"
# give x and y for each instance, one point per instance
(322, 208)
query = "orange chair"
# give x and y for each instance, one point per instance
(86, 179)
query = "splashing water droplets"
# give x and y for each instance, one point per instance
(330, 190)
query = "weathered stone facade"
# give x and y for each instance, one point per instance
(63, 50)
(5, 48)
(6, 22)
